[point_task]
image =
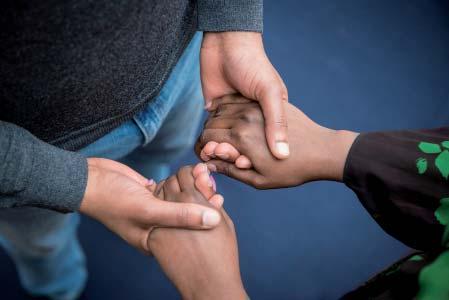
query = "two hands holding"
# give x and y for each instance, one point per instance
(244, 139)
(170, 220)
(203, 264)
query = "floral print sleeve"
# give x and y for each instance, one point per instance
(402, 179)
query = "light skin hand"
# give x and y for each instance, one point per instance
(120, 198)
(236, 62)
(201, 264)
(318, 153)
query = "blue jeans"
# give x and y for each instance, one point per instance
(43, 243)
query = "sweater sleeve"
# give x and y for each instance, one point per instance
(34, 173)
(401, 178)
(230, 15)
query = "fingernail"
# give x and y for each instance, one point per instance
(150, 182)
(208, 105)
(212, 167)
(205, 169)
(210, 218)
(282, 148)
(214, 184)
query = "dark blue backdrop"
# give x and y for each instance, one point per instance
(361, 65)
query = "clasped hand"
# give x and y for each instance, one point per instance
(233, 143)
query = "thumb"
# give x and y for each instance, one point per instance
(272, 100)
(183, 215)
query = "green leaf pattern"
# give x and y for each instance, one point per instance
(429, 148)
(434, 278)
(442, 163)
(441, 160)
(421, 164)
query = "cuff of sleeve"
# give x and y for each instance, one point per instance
(230, 15)
(354, 162)
(40, 175)
(381, 169)
(65, 180)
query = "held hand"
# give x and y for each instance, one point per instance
(236, 62)
(201, 264)
(120, 198)
(236, 127)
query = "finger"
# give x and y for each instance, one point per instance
(171, 188)
(226, 217)
(284, 87)
(186, 179)
(272, 102)
(227, 99)
(243, 162)
(182, 215)
(199, 169)
(248, 176)
(226, 151)
(205, 184)
(208, 151)
(151, 186)
(159, 191)
(220, 122)
(215, 135)
(217, 201)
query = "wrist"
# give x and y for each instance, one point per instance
(90, 194)
(337, 145)
(209, 291)
(231, 39)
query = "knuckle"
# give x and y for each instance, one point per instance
(183, 217)
(171, 180)
(281, 122)
(185, 169)
(231, 224)
(202, 139)
(259, 183)
(190, 198)
(240, 133)
(251, 115)
(226, 169)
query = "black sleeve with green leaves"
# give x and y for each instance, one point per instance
(402, 179)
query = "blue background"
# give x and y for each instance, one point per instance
(360, 65)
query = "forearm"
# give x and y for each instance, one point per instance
(37, 174)
(331, 154)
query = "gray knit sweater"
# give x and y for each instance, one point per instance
(73, 70)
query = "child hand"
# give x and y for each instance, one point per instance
(233, 143)
(202, 265)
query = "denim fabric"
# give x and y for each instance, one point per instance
(43, 243)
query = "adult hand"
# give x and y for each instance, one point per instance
(201, 264)
(236, 62)
(235, 130)
(121, 199)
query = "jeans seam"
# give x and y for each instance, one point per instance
(146, 137)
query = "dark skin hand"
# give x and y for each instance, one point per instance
(202, 265)
(233, 143)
